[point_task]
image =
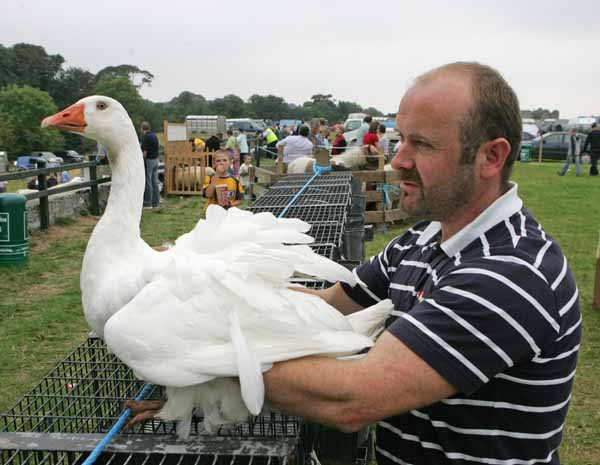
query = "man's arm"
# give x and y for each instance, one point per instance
(585, 144)
(336, 297)
(349, 395)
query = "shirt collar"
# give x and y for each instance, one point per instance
(503, 207)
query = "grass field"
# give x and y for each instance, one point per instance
(41, 317)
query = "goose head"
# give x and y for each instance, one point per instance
(97, 117)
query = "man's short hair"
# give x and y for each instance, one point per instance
(146, 126)
(367, 119)
(594, 125)
(494, 111)
(382, 128)
(304, 131)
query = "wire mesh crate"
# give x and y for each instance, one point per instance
(327, 250)
(303, 200)
(327, 233)
(276, 190)
(310, 214)
(80, 399)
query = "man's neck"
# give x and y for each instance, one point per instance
(467, 215)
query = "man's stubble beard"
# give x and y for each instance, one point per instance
(442, 201)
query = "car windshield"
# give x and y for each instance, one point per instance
(352, 125)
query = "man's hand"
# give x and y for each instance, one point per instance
(142, 410)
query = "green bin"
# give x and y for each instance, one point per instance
(525, 153)
(14, 242)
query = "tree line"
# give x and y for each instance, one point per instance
(34, 84)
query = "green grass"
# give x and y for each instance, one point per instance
(41, 318)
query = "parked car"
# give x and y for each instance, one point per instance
(48, 156)
(27, 162)
(556, 145)
(69, 156)
(246, 125)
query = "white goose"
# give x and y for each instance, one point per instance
(215, 306)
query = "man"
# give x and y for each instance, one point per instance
(363, 129)
(384, 142)
(270, 138)
(339, 143)
(477, 364)
(242, 143)
(593, 141)
(213, 143)
(150, 151)
(296, 146)
(573, 153)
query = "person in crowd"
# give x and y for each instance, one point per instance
(150, 148)
(242, 144)
(52, 180)
(593, 142)
(245, 174)
(271, 139)
(101, 154)
(573, 154)
(384, 143)
(232, 148)
(314, 133)
(371, 138)
(323, 138)
(339, 143)
(296, 146)
(363, 129)
(477, 363)
(33, 184)
(221, 188)
(213, 143)
(197, 144)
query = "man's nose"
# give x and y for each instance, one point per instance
(403, 158)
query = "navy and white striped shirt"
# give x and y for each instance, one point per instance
(495, 311)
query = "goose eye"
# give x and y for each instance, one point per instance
(101, 106)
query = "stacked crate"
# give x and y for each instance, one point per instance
(63, 418)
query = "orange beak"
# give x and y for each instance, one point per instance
(70, 119)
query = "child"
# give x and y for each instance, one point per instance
(221, 188)
(245, 172)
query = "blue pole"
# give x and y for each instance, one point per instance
(115, 428)
(318, 171)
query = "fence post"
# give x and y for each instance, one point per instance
(44, 206)
(94, 204)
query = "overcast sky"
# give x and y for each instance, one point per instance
(354, 50)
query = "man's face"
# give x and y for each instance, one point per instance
(222, 164)
(434, 182)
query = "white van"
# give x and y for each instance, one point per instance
(204, 126)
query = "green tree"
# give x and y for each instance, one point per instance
(71, 85)
(137, 76)
(21, 112)
(123, 90)
(230, 106)
(268, 107)
(27, 64)
(186, 103)
(373, 111)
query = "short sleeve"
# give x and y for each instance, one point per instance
(479, 320)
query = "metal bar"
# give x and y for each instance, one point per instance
(36, 172)
(94, 203)
(63, 189)
(44, 206)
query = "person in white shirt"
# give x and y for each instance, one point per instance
(384, 143)
(296, 146)
(242, 143)
(245, 174)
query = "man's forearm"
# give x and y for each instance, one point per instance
(327, 398)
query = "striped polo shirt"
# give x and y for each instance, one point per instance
(495, 311)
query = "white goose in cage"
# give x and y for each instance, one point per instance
(217, 305)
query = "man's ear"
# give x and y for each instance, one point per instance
(492, 157)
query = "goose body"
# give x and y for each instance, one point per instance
(217, 305)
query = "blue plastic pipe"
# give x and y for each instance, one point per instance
(116, 427)
(318, 170)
